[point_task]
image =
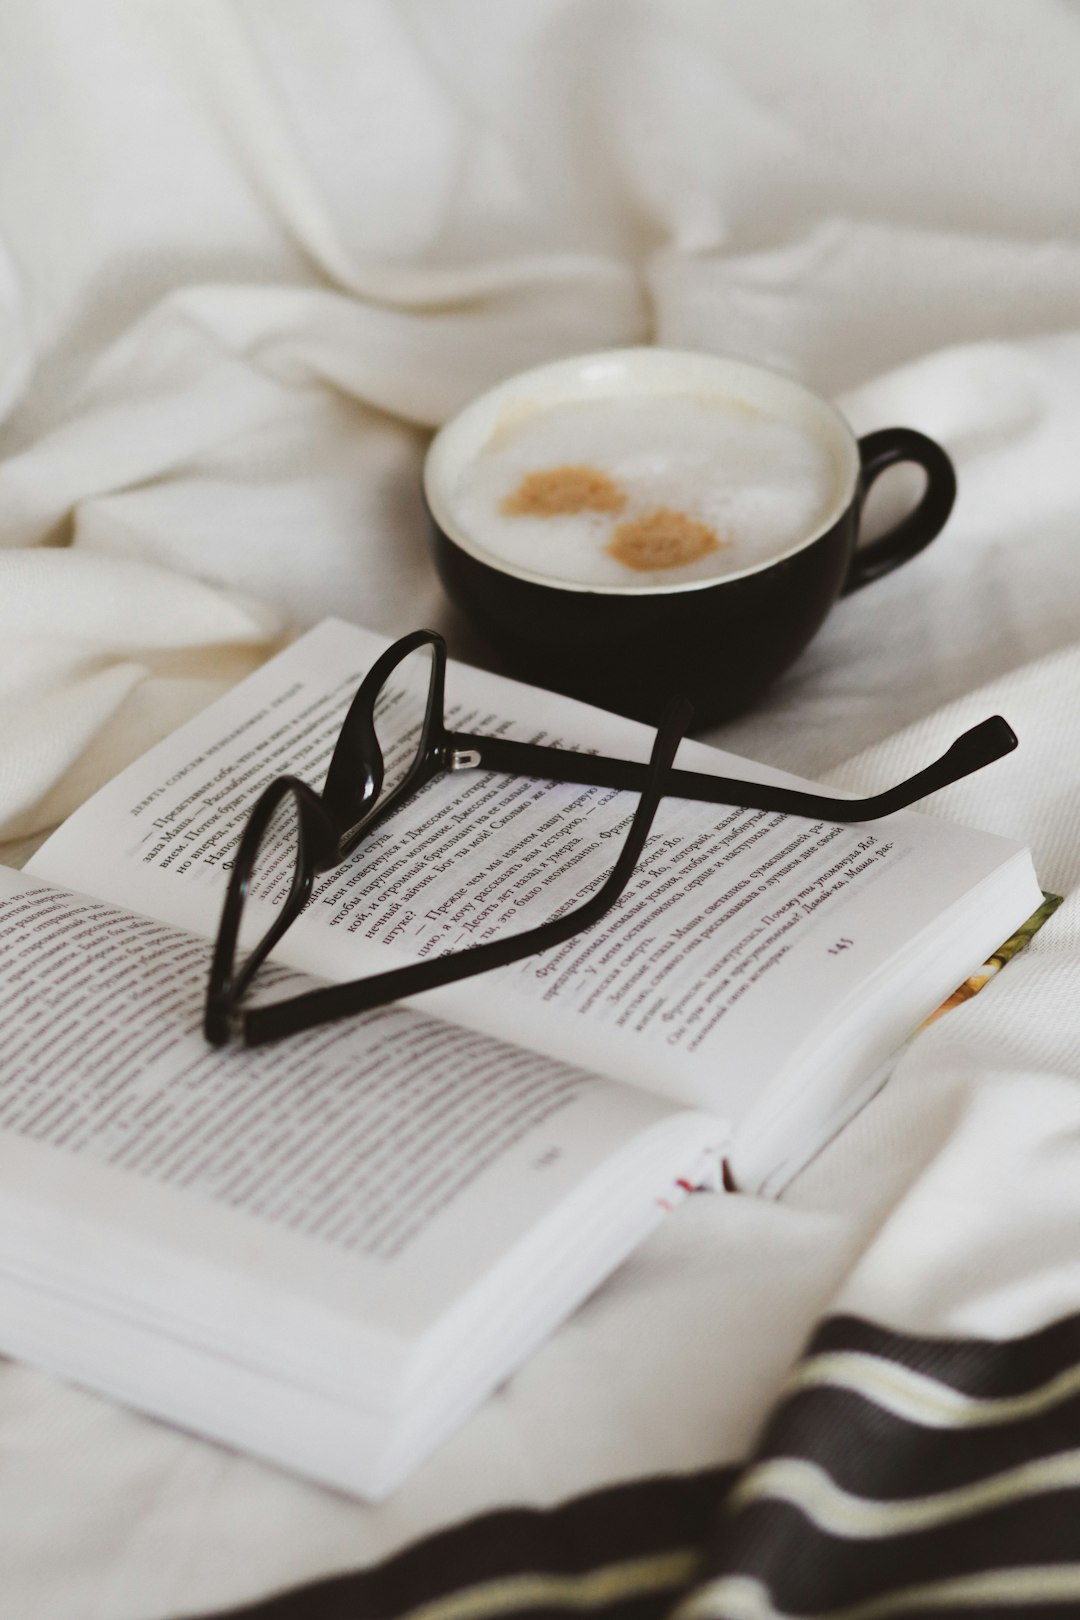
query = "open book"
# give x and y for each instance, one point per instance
(326, 1251)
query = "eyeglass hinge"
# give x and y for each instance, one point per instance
(464, 759)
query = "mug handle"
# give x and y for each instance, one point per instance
(885, 449)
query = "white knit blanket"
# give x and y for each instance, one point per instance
(249, 254)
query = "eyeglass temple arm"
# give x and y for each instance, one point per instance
(970, 752)
(261, 1024)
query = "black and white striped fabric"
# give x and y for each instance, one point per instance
(898, 1475)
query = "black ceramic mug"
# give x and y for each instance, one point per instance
(718, 640)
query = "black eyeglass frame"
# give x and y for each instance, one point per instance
(331, 825)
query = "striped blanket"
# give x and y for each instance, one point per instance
(897, 1476)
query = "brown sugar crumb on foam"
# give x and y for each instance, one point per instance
(664, 539)
(560, 491)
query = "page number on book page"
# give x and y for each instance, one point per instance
(545, 1160)
(843, 944)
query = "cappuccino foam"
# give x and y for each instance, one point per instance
(639, 490)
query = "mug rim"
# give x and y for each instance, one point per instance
(465, 433)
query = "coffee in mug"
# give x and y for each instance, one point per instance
(645, 491)
(632, 525)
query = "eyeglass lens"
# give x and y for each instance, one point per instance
(273, 872)
(400, 711)
(270, 880)
(276, 863)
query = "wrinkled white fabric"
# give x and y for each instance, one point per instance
(249, 253)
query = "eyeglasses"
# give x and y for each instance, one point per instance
(393, 742)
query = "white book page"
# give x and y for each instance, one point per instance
(372, 1171)
(738, 933)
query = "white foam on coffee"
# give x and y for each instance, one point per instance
(760, 482)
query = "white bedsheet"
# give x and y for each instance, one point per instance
(249, 253)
